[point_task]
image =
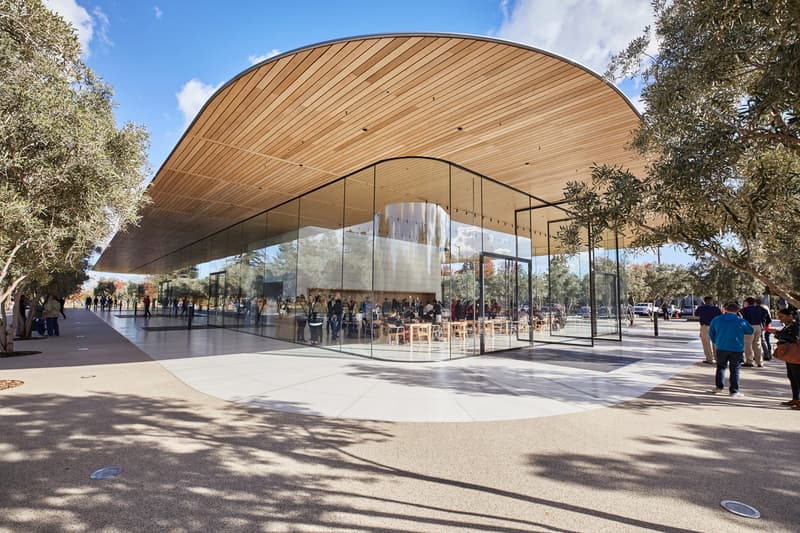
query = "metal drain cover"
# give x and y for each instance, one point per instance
(741, 509)
(107, 472)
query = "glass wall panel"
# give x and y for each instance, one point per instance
(245, 274)
(282, 301)
(568, 313)
(217, 284)
(350, 328)
(234, 303)
(502, 267)
(411, 242)
(524, 295)
(465, 250)
(606, 286)
(319, 258)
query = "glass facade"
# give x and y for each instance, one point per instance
(410, 259)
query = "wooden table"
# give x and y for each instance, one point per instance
(458, 329)
(420, 329)
(500, 325)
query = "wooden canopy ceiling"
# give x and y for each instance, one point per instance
(298, 121)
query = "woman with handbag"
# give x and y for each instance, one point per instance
(787, 350)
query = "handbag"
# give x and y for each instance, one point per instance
(788, 352)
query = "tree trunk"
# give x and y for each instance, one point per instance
(6, 334)
(18, 325)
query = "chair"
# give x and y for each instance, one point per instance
(395, 333)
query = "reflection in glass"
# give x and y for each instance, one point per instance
(409, 259)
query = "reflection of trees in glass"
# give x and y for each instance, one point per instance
(463, 282)
(245, 274)
(281, 265)
(566, 287)
(320, 260)
(358, 245)
(605, 286)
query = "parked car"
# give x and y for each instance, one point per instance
(688, 310)
(643, 309)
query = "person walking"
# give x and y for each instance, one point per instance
(706, 313)
(146, 303)
(756, 317)
(766, 345)
(788, 334)
(337, 315)
(728, 332)
(51, 312)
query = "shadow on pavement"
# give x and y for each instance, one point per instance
(223, 469)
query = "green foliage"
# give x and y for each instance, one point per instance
(721, 137)
(69, 175)
(712, 278)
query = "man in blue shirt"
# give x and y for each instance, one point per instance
(727, 332)
(756, 316)
(706, 313)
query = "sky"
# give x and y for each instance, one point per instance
(165, 59)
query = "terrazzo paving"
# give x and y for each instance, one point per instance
(278, 375)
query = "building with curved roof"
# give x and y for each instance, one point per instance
(421, 169)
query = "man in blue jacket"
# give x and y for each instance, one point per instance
(727, 332)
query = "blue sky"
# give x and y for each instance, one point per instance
(165, 58)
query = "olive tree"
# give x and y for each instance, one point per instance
(70, 176)
(720, 135)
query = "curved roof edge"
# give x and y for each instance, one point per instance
(381, 36)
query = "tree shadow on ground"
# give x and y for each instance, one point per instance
(700, 464)
(190, 467)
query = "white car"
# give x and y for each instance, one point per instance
(643, 309)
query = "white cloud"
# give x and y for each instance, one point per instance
(258, 59)
(192, 96)
(86, 25)
(102, 30)
(77, 16)
(158, 12)
(586, 31)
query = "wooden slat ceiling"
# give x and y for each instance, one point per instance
(301, 120)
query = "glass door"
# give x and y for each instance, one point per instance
(504, 291)
(216, 299)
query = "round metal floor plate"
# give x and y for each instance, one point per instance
(107, 472)
(741, 509)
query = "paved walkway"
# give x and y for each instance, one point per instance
(193, 462)
(283, 376)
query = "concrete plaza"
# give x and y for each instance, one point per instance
(219, 431)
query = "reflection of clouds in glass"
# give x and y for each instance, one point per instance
(466, 240)
(499, 243)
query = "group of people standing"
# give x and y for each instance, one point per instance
(45, 314)
(734, 337)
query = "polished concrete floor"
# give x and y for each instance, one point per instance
(273, 374)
